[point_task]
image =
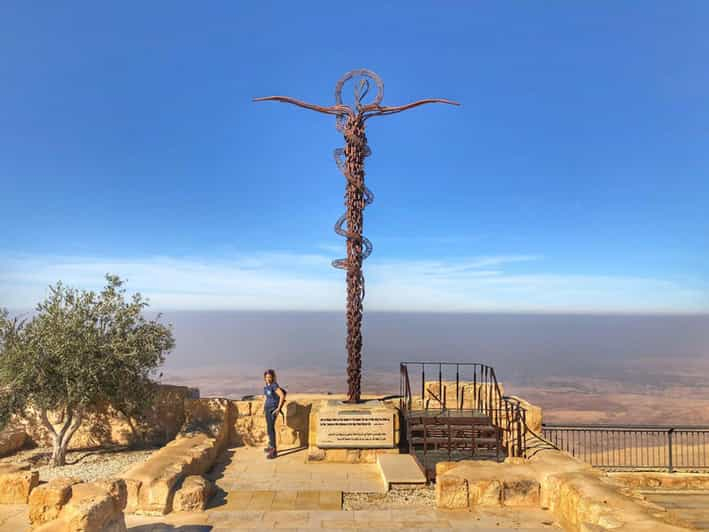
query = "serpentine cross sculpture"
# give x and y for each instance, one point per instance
(351, 120)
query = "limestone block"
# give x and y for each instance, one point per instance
(444, 467)
(347, 456)
(151, 485)
(12, 439)
(16, 484)
(520, 492)
(533, 414)
(485, 492)
(92, 513)
(213, 416)
(47, 500)
(249, 423)
(452, 492)
(287, 437)
(92, 507)
(471, 394)
(132, 494)
(193, 495)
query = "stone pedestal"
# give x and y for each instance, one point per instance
(352, 433)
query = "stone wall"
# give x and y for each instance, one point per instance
(12, 439)
(581, 498)
(471, 394)
(249, 426)
(107, 427)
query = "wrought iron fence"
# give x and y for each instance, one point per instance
(463, 389)
(649, 447)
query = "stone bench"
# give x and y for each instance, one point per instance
(152, 484)
(206, 432)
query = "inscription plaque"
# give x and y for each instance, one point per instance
(360, 428)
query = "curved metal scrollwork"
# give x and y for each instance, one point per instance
(350, 120)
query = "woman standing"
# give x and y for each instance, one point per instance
(272, 407)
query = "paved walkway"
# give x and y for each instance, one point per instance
(259, 494)
(247, 469)
(14, 517)
(689, 506)
(406, 519)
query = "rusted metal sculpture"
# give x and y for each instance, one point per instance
(350, 120)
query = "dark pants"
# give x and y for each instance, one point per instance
(271, 426)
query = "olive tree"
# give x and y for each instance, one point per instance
(80, 351)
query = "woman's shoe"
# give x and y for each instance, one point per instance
(272, 454)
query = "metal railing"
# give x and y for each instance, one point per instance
(650, 447)
(465, 389)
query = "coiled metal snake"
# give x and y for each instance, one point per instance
(350, 120)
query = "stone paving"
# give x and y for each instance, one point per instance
(260, 494)
(246, 468)
(691, 507)
(14, 517)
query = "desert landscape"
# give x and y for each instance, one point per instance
(671, 391)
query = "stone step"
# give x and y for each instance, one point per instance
(400, 470)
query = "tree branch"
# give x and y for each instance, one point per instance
(45, 421)
(72, 429)
(67, 423)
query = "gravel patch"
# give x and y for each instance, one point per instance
(84, 465)
(423, 497)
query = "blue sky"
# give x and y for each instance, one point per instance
(573, 177)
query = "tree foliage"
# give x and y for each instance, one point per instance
(80, 351)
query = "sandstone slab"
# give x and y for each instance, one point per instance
(47, 500)
(16, 483)
(193, 495)
(12, 439)
(397, 469)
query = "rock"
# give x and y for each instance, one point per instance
(93, 507)
(443, 467)
(485, 492)
(213, 417)
(47, 500)
(452, 492)
(12, 439)
(193, 495)
(16, 484)
(520, 492)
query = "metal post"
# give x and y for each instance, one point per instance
(669, 449)
(440, 384)
(457, 381)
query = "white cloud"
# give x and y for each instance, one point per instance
(307, 281)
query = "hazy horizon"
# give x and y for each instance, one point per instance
(524, 348)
